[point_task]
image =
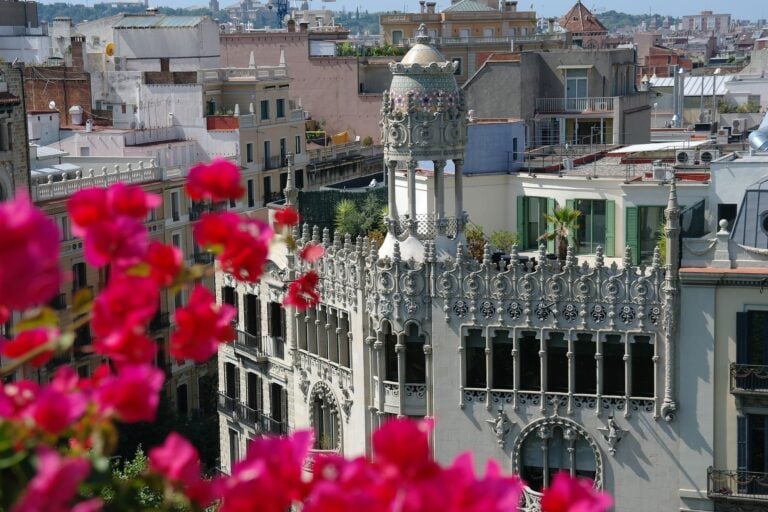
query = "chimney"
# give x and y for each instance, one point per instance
(77, 44)
(303, 26)
(510, 6)
(291, 26)
(422, 5)
(431, 7)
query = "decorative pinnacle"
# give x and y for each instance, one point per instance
(627, 256)
(656, 257)
(422, 37)
(570, 261)
(396, 251)
(599, 261)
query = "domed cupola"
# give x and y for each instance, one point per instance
(423, 118)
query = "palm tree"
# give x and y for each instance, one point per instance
(564, 222)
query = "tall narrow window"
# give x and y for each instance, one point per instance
(79, 276)
(182, 400)
(415, 366)
(267, 155)
(592, 225)
(280, 105)
(298, 144)
(584, 364)
(264, 109)
(390, 354)
(476, 368)
(557, 363)
(252, 316)
(503, 363)
(175, 210)
(231, 384)
(613, 365)
(642, 367)
(251, 194)
(234, 448)
(249, 152)
(530, 362)
(255, 393)
(283, 150)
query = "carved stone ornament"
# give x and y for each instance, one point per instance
(346, 404)
(304, 382)
(612, 434)
(501, 425)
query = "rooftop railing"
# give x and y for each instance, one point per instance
(65, 184)
(598, 104)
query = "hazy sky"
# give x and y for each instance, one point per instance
(740, 9)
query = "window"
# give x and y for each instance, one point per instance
(415, 364)
(231, 381)
(530, 362)
(584, 364)
(575, 88)
(249, 152)
(255, 398)
(175, 210)
(641, 350)
(503, 367)
(390, 355)
(264, 109)
(176, 240)
(557, 363)
(488, 33)
(613, 366)
(283, 151)
(514, 150)
(64, 223)
(456, 66)
(593, 226)
(752, 453)
(643, 226)
(298, 178)
(298, 144)
(751, 349)
(79, 276)
(278, 407)
(251, 194)
(553, 445)
(229, 296)
(252, 315)
(325, 419)
(397, 37)
(267, 155)
(531, 221)
(182, 400)
(277, 328)
(475, 350)
(280, 108)
(464, 33)
(727, 212)
(234, 448)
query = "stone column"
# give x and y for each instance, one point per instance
(459, 194)
(392, 201)
(440, 195)
(412, 224)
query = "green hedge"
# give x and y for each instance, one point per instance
(318, 207)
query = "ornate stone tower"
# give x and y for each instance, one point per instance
(423, 118)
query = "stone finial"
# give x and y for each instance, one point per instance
(305, 233)
(429, 251)
(396, 251)
(514, 256)
(348, 242)
(326, 236)
(627, 257)
(542, 253)
(141, 164)
(599, 260)
(656, 262)
(570, 260)
(316, 234)
(723, 226)
(129, 166)
(104, 170)
(252, 61)
(487, 254)
(422, 36)
(337, 240)
(90, 173)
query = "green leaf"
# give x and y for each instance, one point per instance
(42, 317)
(82, 300)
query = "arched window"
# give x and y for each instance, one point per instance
(390, 353)
(325, 418)
(551, 445)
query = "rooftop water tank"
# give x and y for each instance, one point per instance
(76, 114)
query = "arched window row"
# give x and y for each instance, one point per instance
(609, 364)
(325, 418)
(411, 344)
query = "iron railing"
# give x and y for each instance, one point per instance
(250, 343)
(749, 378)
(260, 421)
(737, 484)
(585, 105)
(426, 226)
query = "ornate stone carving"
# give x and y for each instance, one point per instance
(501, 425)
(460, 308)
(612, 434)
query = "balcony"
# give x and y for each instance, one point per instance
(749, 379)
(274, 162)
(251, 344)
(737, 485)
(259, 73)
(64, 185)
(256, 419)
(414, 397)
(202, 258)
(594, 105)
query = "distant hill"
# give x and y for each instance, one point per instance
(614, 21)
(79, 13)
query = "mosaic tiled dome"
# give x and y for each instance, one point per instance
(426, 74)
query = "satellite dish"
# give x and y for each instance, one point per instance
(52, 105)
(110, 49)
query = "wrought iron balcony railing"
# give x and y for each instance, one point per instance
(737, 484)
(250, 344)
(257, 419)
(749, 379)
(590, 105)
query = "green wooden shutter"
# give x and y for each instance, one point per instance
(551, 204)
(630, 231)
(522, 237)
(610, 228)
(571, 205)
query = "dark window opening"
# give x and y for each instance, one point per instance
(252, 315)
(557, 363)
(390, 355)
(584, 364)
(415, 364)
(475, 349)
(255, 398)
(231, 381)
(613, 366)
(642, 367)
(503, 363)
(530, 362)
(182, 400)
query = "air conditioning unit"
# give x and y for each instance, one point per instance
(707, 155)
(685, 157)
(739, 126)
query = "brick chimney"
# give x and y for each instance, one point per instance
(77, 43)
(291, 26)
(510, 6)
(431, 7)
(303, 26)
(422, 5)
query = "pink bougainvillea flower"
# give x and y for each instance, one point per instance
(54, 411)
(121, 240)
(132, 394)
(568, 494)
(404, 445)
(29, 340)
(214, 229)
(302, 293)
(312, 252)
(176, 459)
(55, 483)
(86, 208)
(16, 398)
(288, 216)
(493, 493)
(126, 304)
(217, 181)
(29, 256)
(200, 326)
(164, 262)
(271, 474)
(131, 201)
(127, 346)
